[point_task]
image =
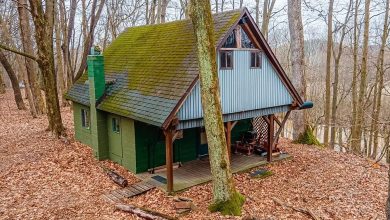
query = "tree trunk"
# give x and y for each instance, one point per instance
(267, 11)
(225, 198)
(356, 133)
(153, 12)
(44, 24)
(59, 66)
(327, 107)
(337, 58)
(28, 93)
(68, 32)
(388, 197)
(354, 77)
(32, 71)
(380, 73)
(90, 37)
(297, 62)
(257, 12)
(163, 13)
(14, 81)
(2, 84)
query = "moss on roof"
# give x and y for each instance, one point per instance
(153, 66)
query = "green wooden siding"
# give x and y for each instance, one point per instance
(81, 134)
(150, 146)
(146, 139)
(115, 140)
(128, 143)
(122, 143)
(185, 149)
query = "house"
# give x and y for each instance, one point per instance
(139, 104)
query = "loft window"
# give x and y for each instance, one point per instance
(230, 41)
(255, 60)
(115, 125)
(226, 59)
(245, 41)
(85, 118)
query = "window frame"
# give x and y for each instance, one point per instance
(115, 125)
(85, 118)
(259, 61)
(225, 52)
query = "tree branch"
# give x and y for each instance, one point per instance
(4, 47)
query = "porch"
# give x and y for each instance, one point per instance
(196, 172)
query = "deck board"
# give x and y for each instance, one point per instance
(198, 171)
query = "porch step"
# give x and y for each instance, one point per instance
(117, 196)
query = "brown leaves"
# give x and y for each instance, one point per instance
(43, 177)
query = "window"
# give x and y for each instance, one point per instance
(255, 60)
(226, 59)
(85, 118)
(230, 41)
(245, 41)
(115, 125)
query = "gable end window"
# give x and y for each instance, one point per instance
(85, 118)
(226, 59)
(115, 125)
(255, 60)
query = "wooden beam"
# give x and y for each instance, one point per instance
(281, 127)
(229, 137)
(238, 36)
(169, 159)
(250, 34)
(234, 124)
(175, 134)
(266, 119)
(277, 121)
(270, 137)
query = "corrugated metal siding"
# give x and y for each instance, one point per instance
(242, 89)
(235, 116)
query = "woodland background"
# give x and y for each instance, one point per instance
(346, 61)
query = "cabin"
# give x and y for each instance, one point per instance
(139, 102)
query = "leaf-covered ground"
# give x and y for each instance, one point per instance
(45, 178)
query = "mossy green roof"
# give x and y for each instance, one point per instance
(153, 66)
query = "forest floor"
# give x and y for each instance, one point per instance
(42, 177)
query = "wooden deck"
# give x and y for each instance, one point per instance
(117, 196)
(198, 171)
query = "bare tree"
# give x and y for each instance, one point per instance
(267, 11)
(2, 84)
(327, 107)
(355, 73)
(32, 72)
(67, 30)
(163, 10)
(88, 41)
(380, 81)
(14, 81)
(43, 18)
(297, 60)
(357, 132)
(225, 198)
(337, 57)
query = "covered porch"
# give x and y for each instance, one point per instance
(196, 172)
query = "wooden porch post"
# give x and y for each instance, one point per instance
(270, 137)
(229, 137)
(169, 159)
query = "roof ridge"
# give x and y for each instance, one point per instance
(183, 20)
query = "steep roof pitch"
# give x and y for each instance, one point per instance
(154, 68)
